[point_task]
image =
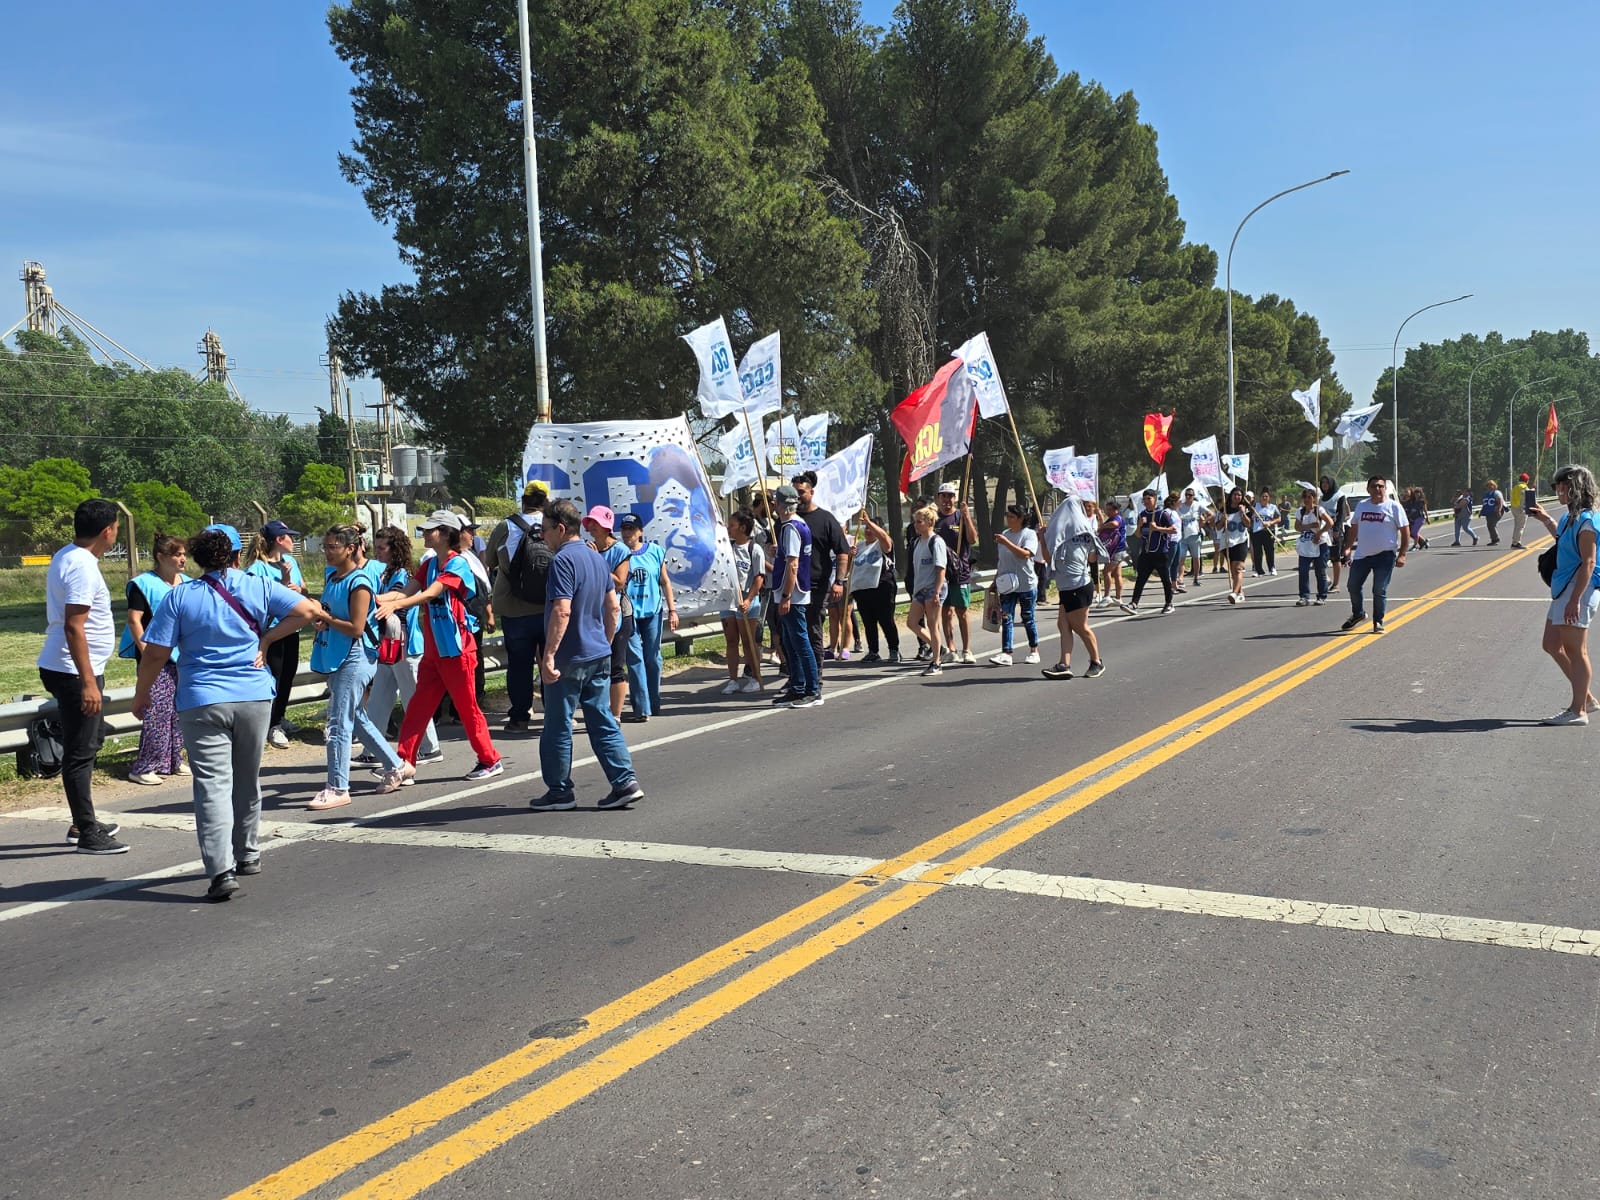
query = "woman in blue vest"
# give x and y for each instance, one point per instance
(392, 559)
(342, 651)
(223, 622)
(1574, 587)
(161, 739)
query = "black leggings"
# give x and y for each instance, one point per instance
(876, 606)
(1262, 546)
(283, 661)
(1155, 561)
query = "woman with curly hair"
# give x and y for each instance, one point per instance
(1573, 588)
(392, 558)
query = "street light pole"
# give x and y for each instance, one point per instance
(530, 168)
(1511, 425)
(1236, 233)
(1481, 362)
(1394, 378)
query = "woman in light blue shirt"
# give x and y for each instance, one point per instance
(219, 624)
(1573, 588)
(346, 655)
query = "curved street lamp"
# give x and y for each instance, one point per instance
(1394, 378)
(1511, 425)
(1482, 362)
(1236, 233)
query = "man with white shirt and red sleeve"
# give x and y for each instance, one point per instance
(1375, 544)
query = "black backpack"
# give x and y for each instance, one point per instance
(529, 569)
(41, 757)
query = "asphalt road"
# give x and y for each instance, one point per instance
(1267, 910)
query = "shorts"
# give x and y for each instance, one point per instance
(1076, 598)
(1239, 553)
(924, 594)
(1587, 603)
(755, 614)
(957, 598)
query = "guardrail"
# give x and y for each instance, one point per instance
(309, 687)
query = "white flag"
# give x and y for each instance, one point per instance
(842, 480)
(1201, 496)
(1159, 486)
(1205, 461)
(798, 445)
(1056, 464)
(719, 391)
(761, 378)
(1083, 477)
(1237, 467)
(1310, 401)
(742, 461)
(1353, 425)
(978, 357)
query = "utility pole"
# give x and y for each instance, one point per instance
(335, 367)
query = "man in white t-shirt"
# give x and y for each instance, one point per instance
(77, 645)
(1375, 544)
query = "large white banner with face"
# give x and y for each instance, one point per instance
(649, 468)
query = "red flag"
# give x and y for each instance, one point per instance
(1156, 441)
(1550, 427)
(936, 422)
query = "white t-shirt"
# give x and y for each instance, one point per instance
(1378, 527)
(74, 578)
(1309, 539)
(1188, 520)
(927, 557)
(1238, 527)
(1007, 563)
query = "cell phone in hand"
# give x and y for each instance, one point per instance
(1530, 499)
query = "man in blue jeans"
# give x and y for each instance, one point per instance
(581, 615)
(791, 595)
(1375, 544)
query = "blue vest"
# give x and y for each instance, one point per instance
(780, 568)
(447, 615)
(154, 589)
(330, 648)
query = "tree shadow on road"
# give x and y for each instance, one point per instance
(1463, 725)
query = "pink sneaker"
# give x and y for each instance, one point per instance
(329, 798)
(393, 781)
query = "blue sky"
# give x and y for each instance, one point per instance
(174, 166)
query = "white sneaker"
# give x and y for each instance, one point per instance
(1233, 597)
(1274, 571)
(730, 687)
(968, 658)
(750, 686)
(148, 778)
(182, 769)
(1301, 603)
(277, 738)
(1241, 598)
(1166, 610)
(1001, 659)
(1567, 717)
(1033, 657)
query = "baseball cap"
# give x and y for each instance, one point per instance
(602, 516)
(632, 521)
(1523, 478)
(949, 489)
(442, 518)
(786, 495)
(233, 534)
(273, 529)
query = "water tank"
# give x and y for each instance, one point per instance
(439, 470)
(424, 466)
(404, 460)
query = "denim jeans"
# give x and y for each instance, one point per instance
(1319, 564)
(1008, 605)
(803, 678)
(644, 665)
(585, 685)
(345, 713)
(1464, 526)
(81, 738)
(1380, 567)
(524, 639)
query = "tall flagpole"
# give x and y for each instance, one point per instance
(1027, 474)
(530, 166)
(761, 467)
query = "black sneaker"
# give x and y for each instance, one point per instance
(110, 830)
(1351, 622)
(99, 841)
(896, 657)
(786, 696)
(623, 795)
(250, 866)
(364, 760)
(424, 760)
(810, 700)
(554, 802)
(633, 718)
(1096, 669)
(516, 727)
(222, 888)
(871, 656)
(1059, 671)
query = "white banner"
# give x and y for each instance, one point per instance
(978, 357)
(842, 480)
(1310, 402)
(1205, 461)
(649, 468)
(798, 445)
(1083, 477)
(1238, 467)
(1162, 491)
(1201, 496)
(761, 378)
(1056, 463)
(741, 460)
(1353, 425)
(719, 390)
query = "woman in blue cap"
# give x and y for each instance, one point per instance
(221, 626)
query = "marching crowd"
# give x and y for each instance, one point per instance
(583, 601)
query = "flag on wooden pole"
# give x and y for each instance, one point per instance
(1156, 441)
(936, 421)
(1550, 427)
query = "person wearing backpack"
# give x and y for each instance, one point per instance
(519, 564)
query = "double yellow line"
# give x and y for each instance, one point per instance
(1060, 797)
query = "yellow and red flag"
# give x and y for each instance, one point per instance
(1550, 427)
(936, 422)
(1156, 441)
